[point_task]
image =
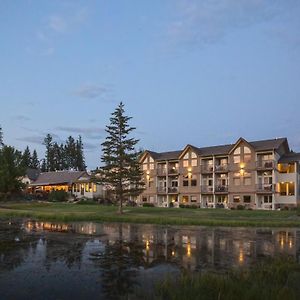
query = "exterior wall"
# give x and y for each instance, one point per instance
(91, 193)
(216, 184)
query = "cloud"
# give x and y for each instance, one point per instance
(65, 22)
(21, 118)
(93, 133)
(207, 21)
(32, 139)
(90, 91)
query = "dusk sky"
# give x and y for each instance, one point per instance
(202, 72)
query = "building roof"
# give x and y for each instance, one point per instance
(57, 177)
(262, 145)
(290, 157)
(165, 155)
(33, 174)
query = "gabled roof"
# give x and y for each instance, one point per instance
(290, 157)
(262, 145)
(58, 177)
(33, 174)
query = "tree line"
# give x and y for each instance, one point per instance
(14, 163)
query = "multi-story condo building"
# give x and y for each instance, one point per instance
(258, 175)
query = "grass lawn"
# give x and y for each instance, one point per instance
(152, 215)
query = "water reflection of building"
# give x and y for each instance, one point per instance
(190, 247)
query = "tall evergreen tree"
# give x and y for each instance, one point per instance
(11, 169)
(121, 170)
(48, 142)
(70, 153)
(34, 164)
(26, 158)
(1, 137)
(80, 161)
(43, 165)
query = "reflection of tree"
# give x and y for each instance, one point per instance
(67, 250)
(14, 245)
(118, 264)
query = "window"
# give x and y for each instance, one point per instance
(151, 166)
(194, 182)
(151, 199)
(247, 178)
(247, 154)
(193, 199)
(185, 199)
(194, 159)
(267, 199)
(236, 181)
(236, 199)
(237, 155)
(247, 199)
(185, 182)
(286, 168)
(287, 188)
(86, 187)
(144, 199)
(94, 187)
(151, 183)
(194, 162)
(145, 166)
(185, 163)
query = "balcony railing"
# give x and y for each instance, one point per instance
(207, 188)
(221, 188)
(173, 171)
(161, 190)
(207, 168)
(221, 168)
(173, 190)
(265, 188)
(265, 164)
(161, 172)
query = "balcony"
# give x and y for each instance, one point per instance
(173, 171)
(221, 189)
(161, 172)
(208, 168)
(221, 168)
(206, 189)
(265, 164)
(161, 190)
(173, 190)
(265, 188)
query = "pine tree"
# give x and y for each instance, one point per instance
(70, 153)
(49, 153)
(44, 165)
(121, 170)
(34, 164)
(26, 158)
(80, 161)
(11, 170)
(1, 137)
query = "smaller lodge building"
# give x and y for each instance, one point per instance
(77, 183)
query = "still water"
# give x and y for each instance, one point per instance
(42, 260)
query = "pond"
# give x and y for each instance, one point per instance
(44, 260)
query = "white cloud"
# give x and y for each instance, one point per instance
(91, 91)
(204, 22)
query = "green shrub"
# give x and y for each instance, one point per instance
(58, 196)
(188, 206)
(148, 205)
(240, 207)
(84, 201)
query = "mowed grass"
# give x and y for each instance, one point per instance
(152, 215)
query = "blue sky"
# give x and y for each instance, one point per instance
(203, 72)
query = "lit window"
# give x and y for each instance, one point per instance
(94, 187)
(185, 163)
(236, 199)
(193, 155)
(237, 155)
(194, 162)
(185, 199)
(151, 166)
(247, 154)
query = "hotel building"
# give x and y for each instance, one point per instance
(256, 175)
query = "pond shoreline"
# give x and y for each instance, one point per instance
(66, 212)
